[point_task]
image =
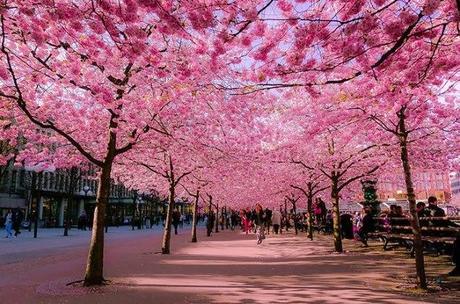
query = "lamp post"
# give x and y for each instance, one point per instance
(134, 210)
(37, 203)
(139, 203)
(86, 189)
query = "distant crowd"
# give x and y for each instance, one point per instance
(12, 222)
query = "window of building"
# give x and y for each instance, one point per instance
(52, 181)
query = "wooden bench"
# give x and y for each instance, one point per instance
(435, 239)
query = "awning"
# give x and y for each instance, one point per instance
(12, 202)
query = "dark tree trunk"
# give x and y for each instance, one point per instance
(310, 213)
(225, 218)
(133, 219)
(195, 215)
(165, 247)
(281, 222)
(294, 209)
(217, 218)
(33, 194)
(336, 217)
(418, 246)
(222, 219)
(208, 226)
(73, 172)
(67, 216)
(286, 216)
(95, 263)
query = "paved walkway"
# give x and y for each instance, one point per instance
(226, 268)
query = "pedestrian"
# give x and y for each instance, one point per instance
(82, 219)
(422, 212)
(320, 211)
(435, 211)
(268, 219)
(9, 224)
(368, 226)
(17, 220)
(259, 221)
(176, 218)
(233, 220)
(276, 220)
(456, 258)
(346, 225)
(210, 222)
(181, 220)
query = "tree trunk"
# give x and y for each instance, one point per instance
(71, 187)
(95, 263)
(208, 226)
(222, 219)
(418, 246)
(310, 215)
(195, 214)
(133, 223)
(217, 218)
(34, 190)
(336, 217)
(67, 216)
(294, 209)
(165, 248)
(227, 223)
(281, 222)
(286, 216)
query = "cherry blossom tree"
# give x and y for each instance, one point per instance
(310, 44)
(98, 74)
(422, 127)
(311, 184)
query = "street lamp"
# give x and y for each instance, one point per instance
(139, 203)
(86, 189)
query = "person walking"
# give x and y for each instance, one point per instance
(268, 219)
(368, 225)
(82, 219)
(210, 222)
(9, 224)
(17, 220)
(276, 220)
(233, 220)
(176, 218)
(246, 222)
(259, 221)
(456, 258)
(435, 211)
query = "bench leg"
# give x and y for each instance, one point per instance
(412, 250)
(385, 243)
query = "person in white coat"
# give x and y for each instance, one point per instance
(9, 224)
(276, 220)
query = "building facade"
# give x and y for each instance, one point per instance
(455, 187)
(60, 195)
(427, 182)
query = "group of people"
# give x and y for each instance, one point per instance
(359, 225)
(12, 221)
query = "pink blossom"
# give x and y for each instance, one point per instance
(246, 41)
(38, 36)
(3, 73)
(379, 2)
(407, 17)
(430, 6)
(284, 5)
(394, 29)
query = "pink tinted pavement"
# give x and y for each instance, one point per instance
(227, 268)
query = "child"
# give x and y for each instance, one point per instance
(260, 234)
